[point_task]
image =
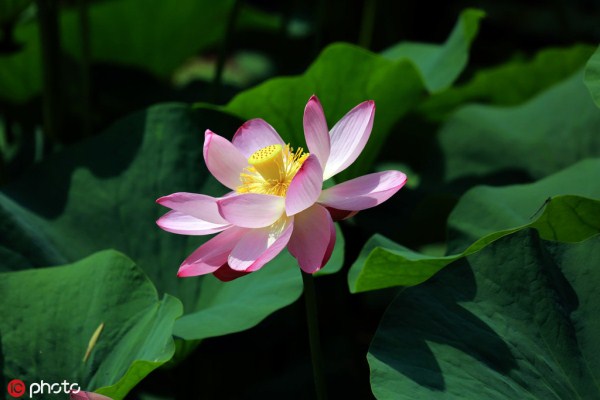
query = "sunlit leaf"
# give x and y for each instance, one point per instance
(50, 315)
(482, 216)
(517, 320)
(485, 210)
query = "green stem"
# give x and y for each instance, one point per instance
(50, 43)
(229, 31)
(7, 38)
(367, 24)
(86, 81)
(313, 335)
(321, 19)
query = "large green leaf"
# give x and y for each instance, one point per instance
(484, 209)
(592, 76)
(49, 317)
(440, 65)
(343, 76)
(544, 135)
(517, 320)
(100, 194)
(149, 34)
(511, 83)
(482, 216)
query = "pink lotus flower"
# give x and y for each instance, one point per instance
(81, 395)
(277, 198)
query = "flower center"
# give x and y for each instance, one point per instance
(271, 170)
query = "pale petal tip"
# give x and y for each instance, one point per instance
(254, 121)
(162, 225)
(159, 222)
(401, 178)
(313, 98)
(208, 134)
(247, 125)
(370, 104)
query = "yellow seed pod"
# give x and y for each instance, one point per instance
(269, 162)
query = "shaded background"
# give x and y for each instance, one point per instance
(272, 360)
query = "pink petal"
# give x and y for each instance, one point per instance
(81, 395)
(363, 192)
(254, 135)
(196, 205)
(305, 187)
(211, 255)
(313, 238)
(226, 274)
(223, 159)
(348, 137)
(252, 210)
(183, 224)
(316, 132)
(259, 246)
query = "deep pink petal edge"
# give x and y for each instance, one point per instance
(305, 187)
(363, 192)
(223, 159)
(349, 137)
(316, 132)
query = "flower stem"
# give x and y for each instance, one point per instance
(313, 335)
(50, 43)
(224, 51)
(86, 80)
(367, 24)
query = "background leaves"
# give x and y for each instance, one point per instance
(396, 81)
(511, 83)
(151, 35)
(592, 76)
(540, 137)
(441, 65)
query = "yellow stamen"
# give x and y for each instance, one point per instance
(271, 170)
